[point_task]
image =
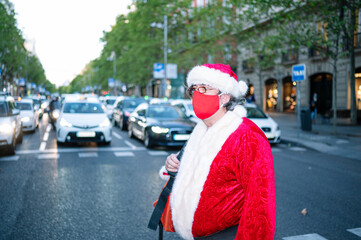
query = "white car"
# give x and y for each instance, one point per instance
(83, 121)
(28, 114)
(187, 108)
(109, 102)
(264, 122)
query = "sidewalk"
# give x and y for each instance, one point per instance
(345, 143)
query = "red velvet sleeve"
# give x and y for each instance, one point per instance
(255, 172)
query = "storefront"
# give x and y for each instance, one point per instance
(271, 94)
(289, 95)
(358, 87)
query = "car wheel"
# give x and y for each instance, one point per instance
(121, 124)
(147, 140)
(130, 132)
(12, 146)
(20, 137)
(107, 143)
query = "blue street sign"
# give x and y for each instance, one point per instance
(158, 70)
(299, 72)
(111, 82)
(21, 82)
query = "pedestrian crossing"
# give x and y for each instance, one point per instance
(315, 236)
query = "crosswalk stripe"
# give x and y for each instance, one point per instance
(312, 236)
(157, 153)
(88, 154)
(48, 156)
(10, 158)
(298, 149)
(117, 135)
(356, 231)
(124, 154)
(130, 145)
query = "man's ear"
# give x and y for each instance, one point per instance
(225, 98)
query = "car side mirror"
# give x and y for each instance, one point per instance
(15, 112)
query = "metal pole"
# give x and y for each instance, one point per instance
(164, 84)
(298, 108)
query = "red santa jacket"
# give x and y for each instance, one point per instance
(226, 178)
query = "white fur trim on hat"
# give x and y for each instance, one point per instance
(217, 79)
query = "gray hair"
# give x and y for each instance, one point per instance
(233, 102)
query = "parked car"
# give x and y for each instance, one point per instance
(123, 107)
(160, 124)
(28, 114)
(187, 108)
(11, 131)
(270, 128)
(83, 121)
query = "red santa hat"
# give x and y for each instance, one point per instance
(218, 76)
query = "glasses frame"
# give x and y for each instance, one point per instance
(204, 88)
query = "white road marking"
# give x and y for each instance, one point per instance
(312, 236)
(70, 150)
(124, 154)
(130, 145)
(157, 153)
(48, 156)
(342, 141)
(276, 150)
(298, 149)
(46, 136)
(90, 154)
(10, 158)
(117, 135)
(42, 146)
(48, 128)
(356, 231)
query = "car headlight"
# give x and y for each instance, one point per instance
(65, 123)
(56, 113)
(105, 123)
(158, 130)
(25, 119)
(6, 128)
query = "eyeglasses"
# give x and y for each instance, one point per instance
(201, 89)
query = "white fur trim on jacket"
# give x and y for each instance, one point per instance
(217, 79)
(202, 147)
(161, 173)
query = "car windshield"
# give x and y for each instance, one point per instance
(110, 101)
(36, 101)
(164, 112)
(82, 108)
(132, 103)
(255, 113)
(3, 111)
(24, 106)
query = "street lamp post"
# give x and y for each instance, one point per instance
(164, 83)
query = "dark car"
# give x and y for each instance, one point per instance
(160, 124)
(124, 106)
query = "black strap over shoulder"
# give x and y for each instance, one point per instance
(162, 201)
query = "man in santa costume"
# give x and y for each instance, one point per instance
(225, 177)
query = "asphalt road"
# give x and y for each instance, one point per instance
(106, 192)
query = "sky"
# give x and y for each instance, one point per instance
(66, 33)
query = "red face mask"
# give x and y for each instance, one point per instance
(205, 105)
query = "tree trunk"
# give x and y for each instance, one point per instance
(352, 67)
(261, 105)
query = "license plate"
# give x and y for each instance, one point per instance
(85, 134)
(181, 137)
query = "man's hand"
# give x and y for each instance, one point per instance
(172, 163)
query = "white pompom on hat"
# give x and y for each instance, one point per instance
(218, 76)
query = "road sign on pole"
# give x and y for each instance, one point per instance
(298, 75)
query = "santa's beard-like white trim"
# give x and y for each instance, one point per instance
(202, 147)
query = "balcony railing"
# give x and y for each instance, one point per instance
(317, 52)
(290, 57)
